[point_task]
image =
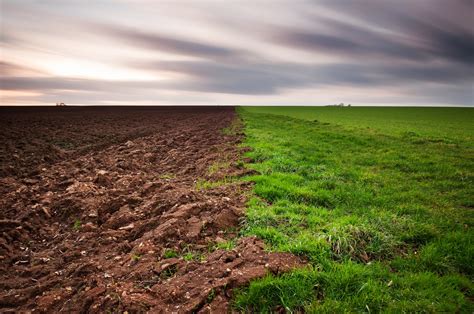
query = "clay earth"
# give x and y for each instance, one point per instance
(102, 210)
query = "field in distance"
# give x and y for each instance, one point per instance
(434, 122)
(379, 200)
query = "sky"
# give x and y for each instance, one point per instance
(237, 52)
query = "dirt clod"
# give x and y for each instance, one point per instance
(105, 215)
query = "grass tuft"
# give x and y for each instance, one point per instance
(169, 253)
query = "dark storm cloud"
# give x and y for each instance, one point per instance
(160, 42)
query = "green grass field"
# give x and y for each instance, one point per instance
(441, 122)
(379, 200)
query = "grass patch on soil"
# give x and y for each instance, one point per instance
(379, 200)
(77, 224)
(169, 253)
(233, 128)
(218, 166)
(203, 184)
(226, 245)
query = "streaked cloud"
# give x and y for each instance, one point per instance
(160, 42)
(362, 52)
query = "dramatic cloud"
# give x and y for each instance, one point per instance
(164, 43)
(351, 41)
(208, 52)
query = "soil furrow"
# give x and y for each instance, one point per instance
(126, 226)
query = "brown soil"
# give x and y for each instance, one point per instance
(114, 220)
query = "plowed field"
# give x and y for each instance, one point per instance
(104, 209)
